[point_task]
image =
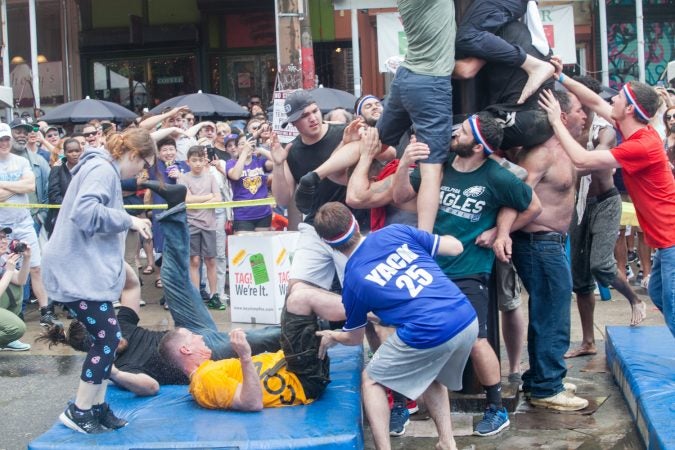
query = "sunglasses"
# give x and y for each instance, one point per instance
(36, 128)
(670, 116)
(90, 134)
(51, 135)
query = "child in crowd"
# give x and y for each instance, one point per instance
(248, 176)
(167, 170)
(202, 188)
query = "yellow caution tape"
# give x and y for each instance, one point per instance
(231, 204)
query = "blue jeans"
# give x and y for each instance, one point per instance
(662, 284)
(476, 32)
(186, 305)
(544, 268)
(424, 101)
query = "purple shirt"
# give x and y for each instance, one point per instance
(251, 186)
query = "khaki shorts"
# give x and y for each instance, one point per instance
(507, 286)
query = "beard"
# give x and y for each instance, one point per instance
(371, 121)
(462, 150)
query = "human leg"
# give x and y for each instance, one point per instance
(99, 319)
(11, 327)
(377, 411)
(438, 404)
(662, 285)
(645, 255)
(513, 321)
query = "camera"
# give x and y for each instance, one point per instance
(16, 246)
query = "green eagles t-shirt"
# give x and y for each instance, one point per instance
(468, 205)
(430, 29)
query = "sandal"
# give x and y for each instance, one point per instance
(158, 283)
(148, 270)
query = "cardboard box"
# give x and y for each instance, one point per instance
(259, 265)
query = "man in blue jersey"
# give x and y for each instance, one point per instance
(392, 274)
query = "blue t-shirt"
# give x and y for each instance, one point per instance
(394, 275)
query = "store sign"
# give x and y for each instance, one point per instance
(558, 24)
(170, 80)
(279, 116)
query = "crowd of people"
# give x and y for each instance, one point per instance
(408, 212)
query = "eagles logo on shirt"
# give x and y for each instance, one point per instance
(252, 184)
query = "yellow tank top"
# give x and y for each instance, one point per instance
(214, 383)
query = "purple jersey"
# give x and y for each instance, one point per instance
(251, 186)
(394, 275)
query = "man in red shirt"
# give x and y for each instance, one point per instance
(645, 167)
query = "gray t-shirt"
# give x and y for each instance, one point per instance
(430, 28)
(205, 183)
(13, 169)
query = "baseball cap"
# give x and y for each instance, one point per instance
(295, 105)
(6, 230)
(21, 123)
(51, 127)
(5, 131)
(230, 137)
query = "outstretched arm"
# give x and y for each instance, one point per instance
(582, 159)
(248, 396)
(138, 383)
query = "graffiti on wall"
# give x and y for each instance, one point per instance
(623, 60)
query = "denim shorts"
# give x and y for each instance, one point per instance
(425, 102)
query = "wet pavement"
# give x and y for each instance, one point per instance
(35, 386)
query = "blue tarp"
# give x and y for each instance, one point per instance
(172, 420)
(642, 360)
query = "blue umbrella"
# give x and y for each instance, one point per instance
(82, 111)
(201, 104)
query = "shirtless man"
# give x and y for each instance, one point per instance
(540, 258)
(593, 231)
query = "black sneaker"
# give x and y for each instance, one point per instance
(632, 256)
(86, 422)
(48, 318)
(215, 303)
(106, 417)
(204, 295)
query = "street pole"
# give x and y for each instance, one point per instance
(639, 28)
(604, 58)
(6, 77)
(35, 71)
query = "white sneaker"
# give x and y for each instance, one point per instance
(16, 346)
(562, 401)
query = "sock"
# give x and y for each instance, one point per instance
(79, 412)
(493, 395)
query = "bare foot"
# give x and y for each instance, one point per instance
(446, 445)
(537, 73)
(582, 350)
(638, 313)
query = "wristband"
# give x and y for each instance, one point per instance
(561, 78)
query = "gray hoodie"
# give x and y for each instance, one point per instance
(84, 258)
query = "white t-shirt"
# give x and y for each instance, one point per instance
(13, 168)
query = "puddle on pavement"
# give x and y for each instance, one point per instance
(17, 367)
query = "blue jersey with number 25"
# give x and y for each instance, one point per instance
(394, 275)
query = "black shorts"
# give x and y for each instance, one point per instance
(128, 320)
(476, 290)
(301, 350)
(251, 225)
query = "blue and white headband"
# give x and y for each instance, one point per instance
(630, 96)
(474, 123)
(359, 105)
(342, 238)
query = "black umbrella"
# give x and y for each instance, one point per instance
(202, 104)
(329, 99)
(81, 111)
